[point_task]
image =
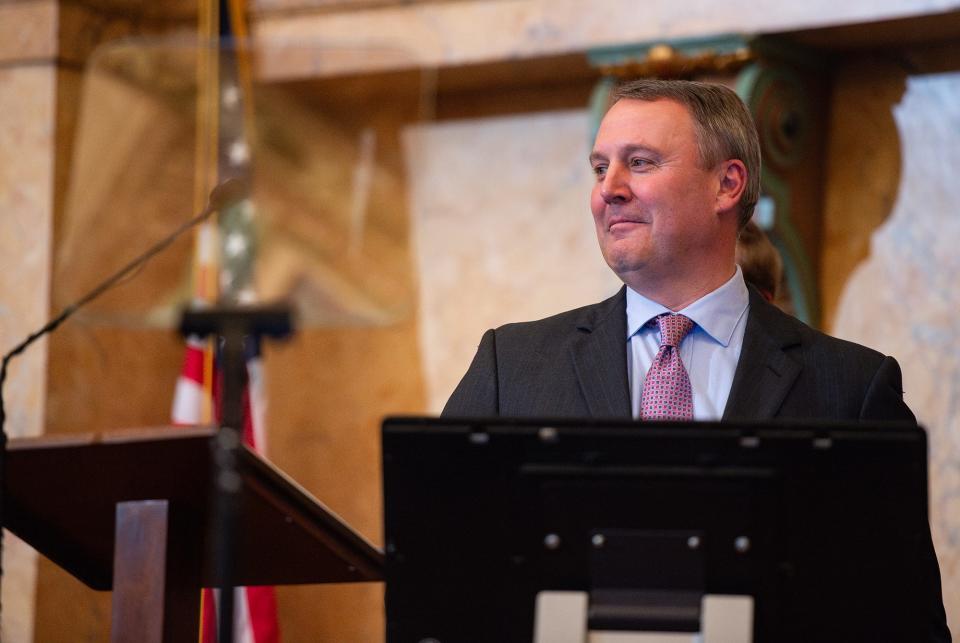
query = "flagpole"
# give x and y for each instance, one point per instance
(235, 325)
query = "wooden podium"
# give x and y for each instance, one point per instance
(129, 511)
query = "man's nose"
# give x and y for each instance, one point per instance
(615, 187)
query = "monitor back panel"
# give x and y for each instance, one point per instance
(823, 525)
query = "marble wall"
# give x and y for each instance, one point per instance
(503, 231)
(27, 159)
(903, 299)
(25, 227)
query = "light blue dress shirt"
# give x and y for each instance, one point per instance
(710, 351)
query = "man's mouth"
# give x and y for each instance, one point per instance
(622, 223)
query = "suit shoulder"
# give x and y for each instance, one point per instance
(554, 326)
(828, 344)
(826, 348)
(566, 319)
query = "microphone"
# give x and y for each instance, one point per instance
(227, 193)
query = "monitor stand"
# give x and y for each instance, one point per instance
(648, 586)
(561, 617)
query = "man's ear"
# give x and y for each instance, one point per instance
(733, 181)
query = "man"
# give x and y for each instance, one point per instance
(677, 168)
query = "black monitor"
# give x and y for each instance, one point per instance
(824, 525)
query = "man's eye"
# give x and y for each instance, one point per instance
(640, 162)
(599, 170)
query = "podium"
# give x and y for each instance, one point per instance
(129, 511)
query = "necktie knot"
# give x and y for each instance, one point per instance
(673, 328)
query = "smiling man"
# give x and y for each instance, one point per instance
(667, 212)
(677, 168)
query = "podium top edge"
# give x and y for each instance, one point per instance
(114, 436)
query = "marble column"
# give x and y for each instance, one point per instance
(28, 95)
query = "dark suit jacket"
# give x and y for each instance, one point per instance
(575, 365)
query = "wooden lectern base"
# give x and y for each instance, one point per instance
(155, 588)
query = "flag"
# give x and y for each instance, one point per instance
(223, 269)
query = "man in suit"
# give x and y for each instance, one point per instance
(677, 168)
(678, 174)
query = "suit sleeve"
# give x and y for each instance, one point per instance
(884, 398)
(477, 394)
(884, 402)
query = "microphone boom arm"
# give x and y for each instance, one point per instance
(225, 194)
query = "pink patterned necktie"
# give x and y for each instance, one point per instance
(667, 394)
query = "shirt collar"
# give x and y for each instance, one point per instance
(717, 313)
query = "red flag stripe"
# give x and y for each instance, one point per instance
(262, 608)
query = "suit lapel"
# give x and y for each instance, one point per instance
(765, 372)
(599, 354)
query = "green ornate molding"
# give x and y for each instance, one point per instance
(775, 96)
